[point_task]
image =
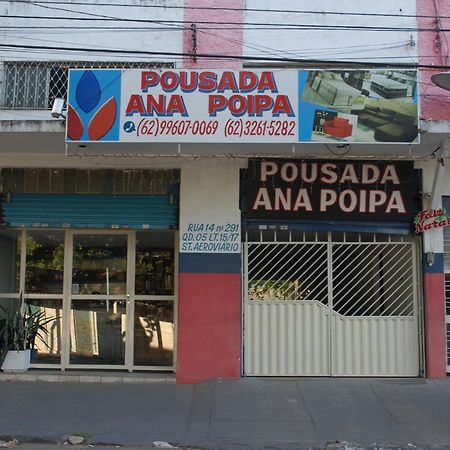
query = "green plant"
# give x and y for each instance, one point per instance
(20, 328)
(36, 324)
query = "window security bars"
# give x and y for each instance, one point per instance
(35, 85)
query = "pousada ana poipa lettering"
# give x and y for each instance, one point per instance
(362, 188)
(348, 200)
(239, 93)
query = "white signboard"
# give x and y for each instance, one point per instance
(248, 106)
(183, 106)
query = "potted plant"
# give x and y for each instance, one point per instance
(18, 332)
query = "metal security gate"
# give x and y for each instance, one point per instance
(447, 284)
(330, 304)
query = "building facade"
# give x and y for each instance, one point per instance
(230, 191)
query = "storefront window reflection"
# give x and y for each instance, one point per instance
(9, 261)
(99, 264)
(44, 262)
(95, 295)
(18, 250)
(46, 346)
(153, 333)
(154, 264)
(97, 333)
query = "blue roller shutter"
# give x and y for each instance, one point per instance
(91, 211)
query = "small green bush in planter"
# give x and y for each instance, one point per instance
(20, 328)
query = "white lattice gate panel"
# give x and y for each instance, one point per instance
(286, 315)
(287, 271)
(287, 339)
(373, 279)
(374, 327)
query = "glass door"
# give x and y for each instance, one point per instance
(41, 283)
(97, 321)
(154, 301)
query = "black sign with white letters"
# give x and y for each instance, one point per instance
(331, 190)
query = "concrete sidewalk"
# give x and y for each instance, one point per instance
(250, 413)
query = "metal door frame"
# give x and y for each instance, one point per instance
(129, 297)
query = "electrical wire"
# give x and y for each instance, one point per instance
(438, 26)
(178, 27)
(242, 25)
(271, 51)
(258, 47)
(261, 26)
(303, 61)
(275, 52)
(181, 24)
(225, 8)
(104, 17)
(124, 50)
(146, 58)
(64, 29)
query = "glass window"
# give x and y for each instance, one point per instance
(153, 333)
(99, 264)
(47, 313)
(446, 249)
(154, 263)
(97, 332)
(44, 262)
(9, 261)
(8, 304)
(46, 346)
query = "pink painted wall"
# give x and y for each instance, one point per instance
(224, 41)
(435, 325)
(209, 330)
(434, 49)
(209, 307)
